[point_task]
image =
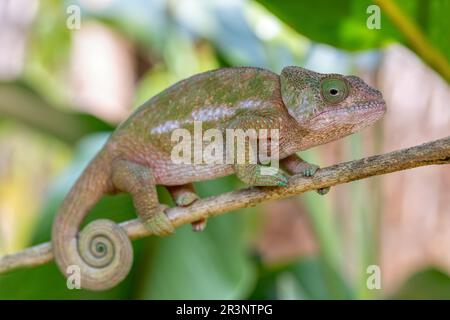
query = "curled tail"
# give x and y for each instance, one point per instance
(102, 250)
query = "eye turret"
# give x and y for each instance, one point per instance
(334, 90)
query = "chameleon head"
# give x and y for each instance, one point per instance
(330, 105)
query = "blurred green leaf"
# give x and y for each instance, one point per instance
(210, 265)
(343, 23)
(307, 278)
(338, 23)
(364, 222)
(21, 103)
(328, 235)
(427, 284)
(47, 282)
(213, 264)
(309, 273)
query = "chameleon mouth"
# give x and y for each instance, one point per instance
(374, 106)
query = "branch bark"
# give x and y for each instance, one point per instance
(430, 153)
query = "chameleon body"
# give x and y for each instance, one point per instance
(307, 108)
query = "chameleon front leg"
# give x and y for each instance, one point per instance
(296, 165)
(138, 180)
(184, 195)
(258, 175)
(255, 174)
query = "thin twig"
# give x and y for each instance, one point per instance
(434, 152)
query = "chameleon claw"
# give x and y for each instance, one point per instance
(186, 199)
(199, 226)
(310, 170)
(282, 180)
(323, 191)
(158, 223)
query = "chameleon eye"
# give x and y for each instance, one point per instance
(334, 90)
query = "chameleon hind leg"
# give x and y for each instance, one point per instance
(139, 181)
(296, 165)
(184, 195)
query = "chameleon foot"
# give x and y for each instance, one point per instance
(307, 169)
(261, 176)
(158, 223)
(199, 226)
(296, 165)
(270, 176)
(323, 191)
(185, 199)
(184, 195)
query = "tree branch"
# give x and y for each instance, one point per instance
(435, 152)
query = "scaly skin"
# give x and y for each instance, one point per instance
(306, 107)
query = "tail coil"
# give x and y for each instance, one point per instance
(102, 250)
(106, 250)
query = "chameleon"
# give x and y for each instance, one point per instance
(307, 108)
